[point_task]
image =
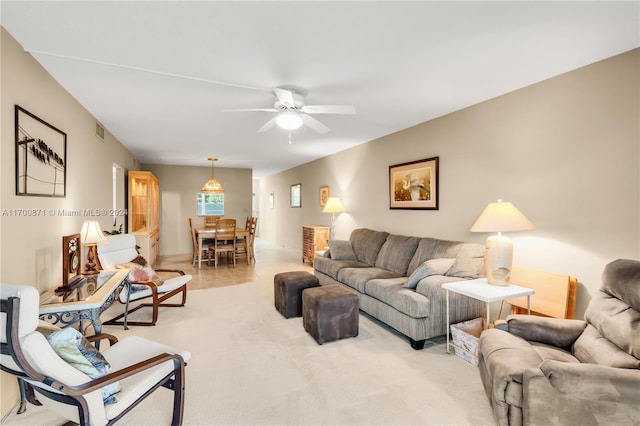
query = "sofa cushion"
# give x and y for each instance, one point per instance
(469, 256)
(358, 277)
(396, 253)
(392, 292)
(468, 267)
(331, 267)
(428, 268)
(367, 244)
(617, 321)
(341, 250)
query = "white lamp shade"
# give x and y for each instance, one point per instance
(334, 205)
(501, 217)
(92, 234)
(289, 120)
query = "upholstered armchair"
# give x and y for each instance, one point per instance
(550, 371)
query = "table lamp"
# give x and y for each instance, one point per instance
(333, 206)
(500, 217)
(91, 235)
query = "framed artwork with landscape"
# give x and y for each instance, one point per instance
(414, 185)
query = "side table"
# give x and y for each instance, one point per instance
(84, 302)
(480, 289)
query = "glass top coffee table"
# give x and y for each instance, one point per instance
(84, 301)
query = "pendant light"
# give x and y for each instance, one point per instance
(212, 184)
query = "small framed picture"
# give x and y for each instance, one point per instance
(296, 195)
(414, 185)
(324, 195)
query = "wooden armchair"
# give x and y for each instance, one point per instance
(138, 365)
(120, 251)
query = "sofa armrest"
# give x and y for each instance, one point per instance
(571, 393)
(557, 332)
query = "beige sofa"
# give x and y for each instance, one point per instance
(381, 268)
(549, 371)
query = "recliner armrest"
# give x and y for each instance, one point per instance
(557, 332)
(571, 393)
(593, 381)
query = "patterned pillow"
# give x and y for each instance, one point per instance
(72, 347)
(430, 267)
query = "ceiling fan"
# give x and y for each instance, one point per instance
(293, 113)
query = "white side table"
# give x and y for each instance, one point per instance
(480, 289)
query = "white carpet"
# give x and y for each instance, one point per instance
(251, 366)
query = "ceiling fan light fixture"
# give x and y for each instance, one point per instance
(289, 120)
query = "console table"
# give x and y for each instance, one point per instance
(84, 302)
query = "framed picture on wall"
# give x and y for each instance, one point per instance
(296, 195)
(324, 195)
(41, 156)
(414, 185)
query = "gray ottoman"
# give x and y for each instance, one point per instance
(330, 312)
(287, 291)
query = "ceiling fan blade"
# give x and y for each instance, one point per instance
(329, 109)
(284, 96)
(314, 124)
(250, 109)
(268, 125)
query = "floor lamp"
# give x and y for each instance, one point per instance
(333, 206)
(500, 217)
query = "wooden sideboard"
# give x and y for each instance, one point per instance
(314, 238)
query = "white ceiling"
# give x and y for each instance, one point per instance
(157, 75)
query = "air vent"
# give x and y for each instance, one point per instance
(100, 132)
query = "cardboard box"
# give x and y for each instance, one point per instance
(466, 336)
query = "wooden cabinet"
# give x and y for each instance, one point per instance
(314, 238)
(143, 213)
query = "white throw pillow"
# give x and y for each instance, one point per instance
(430, 267)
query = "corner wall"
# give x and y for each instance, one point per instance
(565, 151)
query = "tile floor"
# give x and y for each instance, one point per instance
(271, 258)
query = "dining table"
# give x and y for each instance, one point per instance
(209, 233)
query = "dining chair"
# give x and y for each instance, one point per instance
(252, 236)
(133, 367)
(242, 243)
(194, 242)
(224, 241)
(210, 221)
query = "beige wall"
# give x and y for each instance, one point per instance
(565, 151)
(178, 188)
(30, 248)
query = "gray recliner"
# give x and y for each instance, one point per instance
(549, 371)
